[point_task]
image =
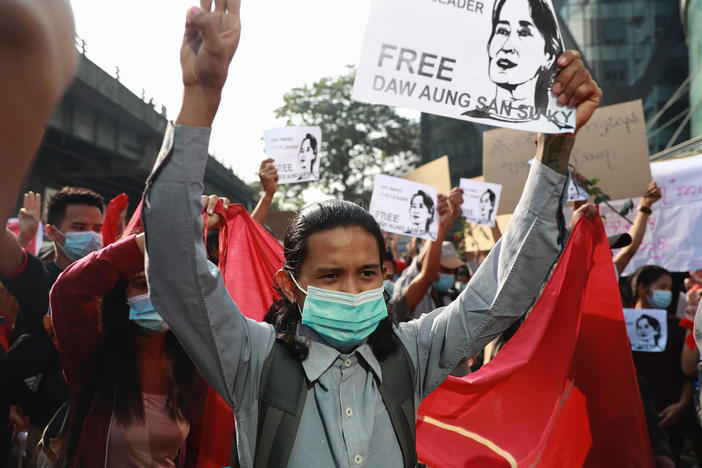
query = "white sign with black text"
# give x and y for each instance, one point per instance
(296, 151)
(647, 329)
(486, 61)
(480, 201)
(404, 207)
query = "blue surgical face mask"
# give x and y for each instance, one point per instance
(389, 287)
(343, 319)
(80, 244)
(661, 298)
(444, 283)
(144, 315)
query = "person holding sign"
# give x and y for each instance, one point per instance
(671, 392)
(329, 381)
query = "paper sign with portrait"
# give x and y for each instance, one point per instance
(647, 329)
(672, 232)
(296, 151)
(404, 207)
(480, 201)
(612, 147)
(486, 61)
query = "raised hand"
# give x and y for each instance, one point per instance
(576, 87)
(652, 195)
(448, 213)
(209, 43)
(29, 217)
(268, 175)
(209, 203)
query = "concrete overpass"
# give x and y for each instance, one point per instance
(104, 137)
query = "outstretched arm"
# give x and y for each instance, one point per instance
(637, 231)
(509, 281)
(184, 287)
(449, 209)
(268, 175)
(37, 59)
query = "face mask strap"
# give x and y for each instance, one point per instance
(295, 281)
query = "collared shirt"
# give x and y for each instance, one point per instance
(344, 422)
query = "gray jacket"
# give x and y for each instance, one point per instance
(344, 422)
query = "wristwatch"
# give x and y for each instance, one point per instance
(645, 209)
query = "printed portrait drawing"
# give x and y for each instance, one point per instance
(307, 157)
(523, 48)
(486, 206)
(421, 213)
(648, 333)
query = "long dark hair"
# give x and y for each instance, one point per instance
(331, 214)
(646, 276)
(120, 379)
(545, 21)
(313, 145)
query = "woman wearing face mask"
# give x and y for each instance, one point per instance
(671, 392)
(333, 382)
(136, 395)
(522, 50)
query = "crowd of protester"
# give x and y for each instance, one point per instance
(106, 362)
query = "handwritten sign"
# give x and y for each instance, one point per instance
(672, 235)
(435, 173)
(296, 151)
(404, 207)
(647, 329)
(486, 61)
(612, 147)
(480, 201)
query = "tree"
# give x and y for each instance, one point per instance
(359, 140)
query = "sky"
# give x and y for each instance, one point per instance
(284, 44)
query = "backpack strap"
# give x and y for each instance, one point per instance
(281, 402)
(397, 391)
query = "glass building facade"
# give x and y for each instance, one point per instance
(635, 49)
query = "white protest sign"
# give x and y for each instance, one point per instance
(486, 61)
(296, 151)
(647, 329)
(404, 207)
(480, 201)
(612, 147)
(672, 237)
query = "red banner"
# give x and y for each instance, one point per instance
(562, 392)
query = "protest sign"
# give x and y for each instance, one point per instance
(671, 238)
(480, 201)
(647, 329)
(612, 147)
(404, 207)
(296, 151)
(435, 173)
(450, 58)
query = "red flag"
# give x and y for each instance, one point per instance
(113, 225)
(562, 392)
(255, 257)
